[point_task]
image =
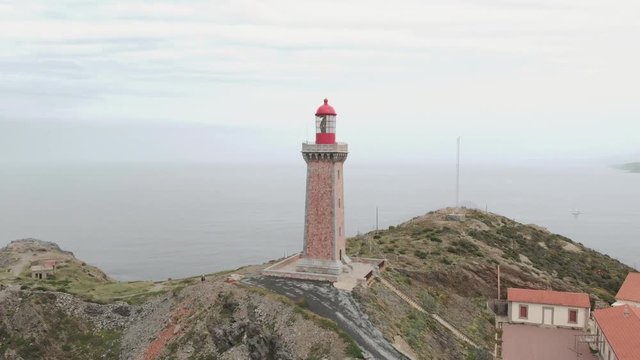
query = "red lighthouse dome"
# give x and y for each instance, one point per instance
(326, 124)
(326, 109)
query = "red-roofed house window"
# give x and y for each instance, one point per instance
(573, 316)
(524, 311)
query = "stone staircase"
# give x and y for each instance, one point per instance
(437, 318)
(346, 264)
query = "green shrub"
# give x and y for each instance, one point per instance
(478, 354)
(429, 303)
(453, 250)
(467, 247)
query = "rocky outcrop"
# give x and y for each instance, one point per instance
(178, 319)
(31, 244)
(224, 321)
(37, 323)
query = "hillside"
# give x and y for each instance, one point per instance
(72, 275)
(80, 313)
(450, 268)
(447, 265)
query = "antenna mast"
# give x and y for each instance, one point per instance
(458, 176)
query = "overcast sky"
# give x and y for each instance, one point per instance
(241, 79)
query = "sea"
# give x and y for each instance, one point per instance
(153, 221)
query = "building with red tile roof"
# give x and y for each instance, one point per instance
(549, 297)
(618, 331)
(629, 292)
(548, 307)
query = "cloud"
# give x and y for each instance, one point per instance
(487, 64)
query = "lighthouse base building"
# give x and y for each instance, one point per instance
(323, 255)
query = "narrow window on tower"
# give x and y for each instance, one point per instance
(338, 202)
(339, 231)
(338, 174)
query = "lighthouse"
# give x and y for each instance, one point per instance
(324, 239)
(323, 256)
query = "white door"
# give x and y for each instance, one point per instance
(547, 316)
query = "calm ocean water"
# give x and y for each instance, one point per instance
(154, 221)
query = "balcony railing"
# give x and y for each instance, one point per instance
(313, 147)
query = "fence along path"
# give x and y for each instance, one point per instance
(437, 318)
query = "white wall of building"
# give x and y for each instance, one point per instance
(560, 315)
(605, 352)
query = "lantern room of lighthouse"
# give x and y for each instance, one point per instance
(326, 124)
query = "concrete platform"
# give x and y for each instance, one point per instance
(358, 275)
(361, 272)
(529, 342)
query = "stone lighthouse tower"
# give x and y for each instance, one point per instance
(323, 254)
(324, 240)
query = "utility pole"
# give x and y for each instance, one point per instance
(498, 281)
(376, 218)
(458, 176)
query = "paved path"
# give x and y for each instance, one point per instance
(338, 305)
(21, 264)
(413, 304)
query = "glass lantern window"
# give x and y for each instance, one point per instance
(326, 124)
